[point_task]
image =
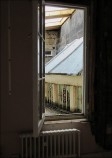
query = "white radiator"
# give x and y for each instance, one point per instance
(51, 144)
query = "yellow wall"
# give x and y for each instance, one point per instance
(74, 82)
(64, 79)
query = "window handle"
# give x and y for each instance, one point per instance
(42, 78)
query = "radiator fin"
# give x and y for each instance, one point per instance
(51, 144)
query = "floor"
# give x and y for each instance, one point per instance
(107, 154)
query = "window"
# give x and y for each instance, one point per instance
(65, 68)
(39, 70)
(48, 53)
(38, 65)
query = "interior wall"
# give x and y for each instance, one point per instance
(87, 141)
(16, 111)
(102, 116)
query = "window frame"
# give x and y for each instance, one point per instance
(85, 64)
(38, 123)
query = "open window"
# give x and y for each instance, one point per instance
(39, 68)
(38, 65)
(64, 79)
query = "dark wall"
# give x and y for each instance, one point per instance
(16, 110)
(103, 75)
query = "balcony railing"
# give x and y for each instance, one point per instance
(64, 96)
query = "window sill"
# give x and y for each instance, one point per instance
(72, 121)
(55, 120)
(65, 121)
(65, 117)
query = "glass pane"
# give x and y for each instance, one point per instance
(39, 103)
(38, 51)
(43, 96)
(41, 56)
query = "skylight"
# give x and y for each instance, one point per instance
(49, 8)
(53, 20)
(56, 16)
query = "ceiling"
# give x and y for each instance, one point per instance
(56, 16)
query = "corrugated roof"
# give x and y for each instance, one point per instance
(69, 60)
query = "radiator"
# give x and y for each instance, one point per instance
(51, 144)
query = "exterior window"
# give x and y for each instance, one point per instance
(48, 53)
(64, 97)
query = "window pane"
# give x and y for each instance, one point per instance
(64, 69)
